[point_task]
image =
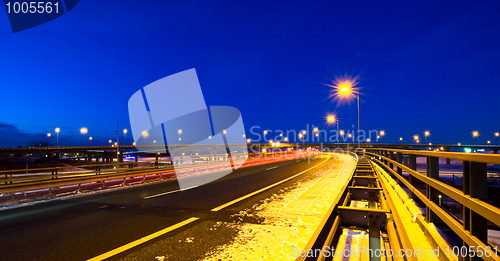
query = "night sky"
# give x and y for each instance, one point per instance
(431, 65)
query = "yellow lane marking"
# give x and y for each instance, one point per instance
(142, 240)
(266, 188)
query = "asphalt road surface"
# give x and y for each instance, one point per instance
(85, 227)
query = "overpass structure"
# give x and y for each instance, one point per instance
(107, 153)
(386, 202)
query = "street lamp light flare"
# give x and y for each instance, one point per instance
(179, 131)
(382, 133)
(344, 88)
(49, 134)
(400, 138)
(84, 130)
(249, 140)
(330, 119)
(475, 134)
(57, 130)
(145, 134)
(125, 131)
(316, 129)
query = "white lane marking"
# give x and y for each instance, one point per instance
(266, 188)
(272, 168)
(166, 193)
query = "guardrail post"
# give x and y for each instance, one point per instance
(475, 184)
(432, 193)
(400, 161)
(391, 156)
(448, 161)
(89, 158)
(412, 164)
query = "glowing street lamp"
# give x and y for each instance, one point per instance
(316, 129)
(426, 133)
(285, 138)
(57, 131)
(110, 141)
(475, 134)
(401, 138)
(488, 142)
(49, 134)
(368, 140)
(459, 144)
(345, 89)
(301, 137)
(249, 140)
(145, 134)
(90, 138)
(125, 136)
(179, 132)
(84, 130)
(342, 133)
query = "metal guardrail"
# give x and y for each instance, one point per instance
(326, 231)
(473, 228)
(23, 182)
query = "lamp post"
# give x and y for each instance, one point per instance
(496, 137)
(346, 89)
(331, 120)
(57, 131)
(426, 133)
(475, 134)
(125, 136)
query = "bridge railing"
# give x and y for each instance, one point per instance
(473, 228)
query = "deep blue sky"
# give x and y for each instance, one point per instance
(422, 65)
